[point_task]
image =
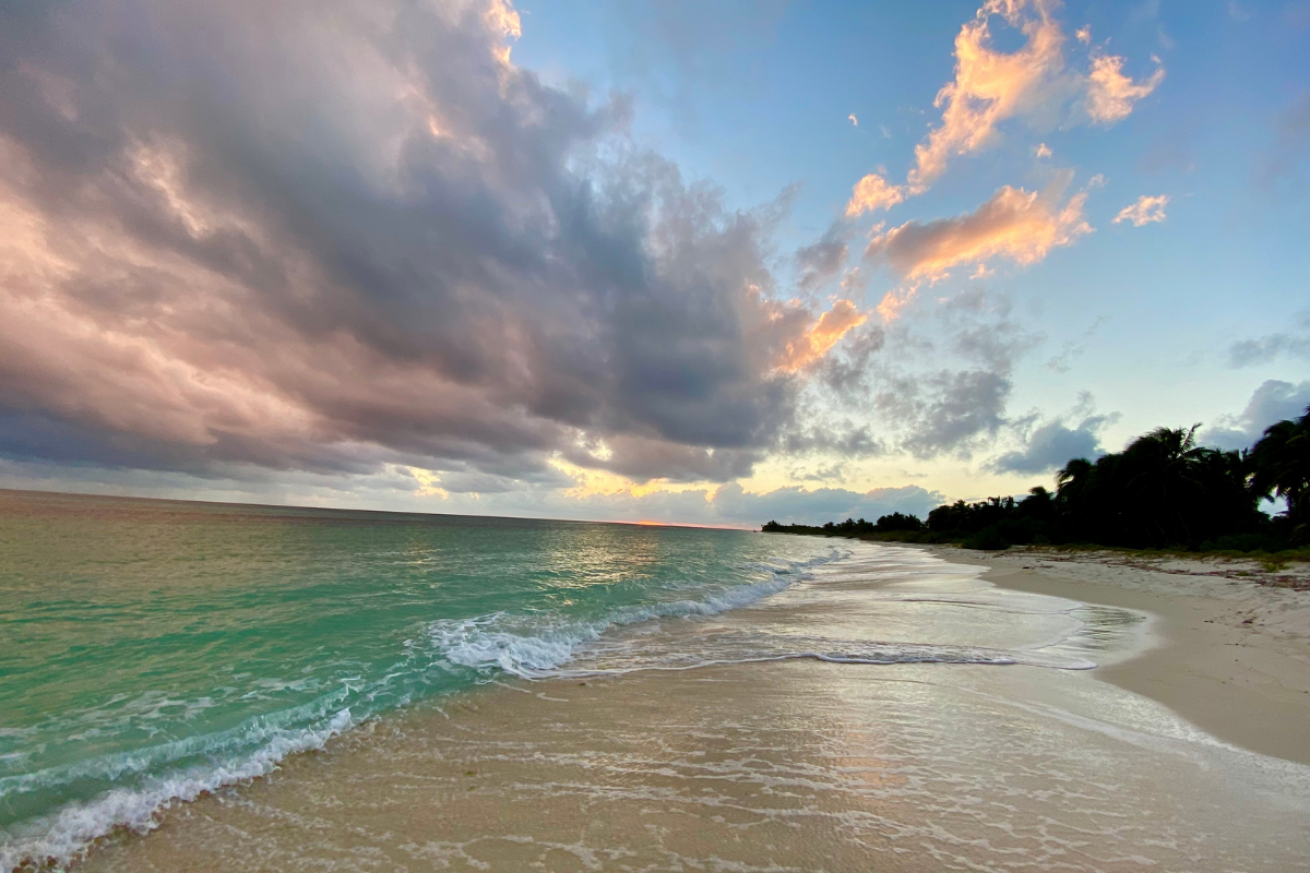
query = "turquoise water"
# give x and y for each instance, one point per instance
(153, 650)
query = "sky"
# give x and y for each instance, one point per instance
(689, 262)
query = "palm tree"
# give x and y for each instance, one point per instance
(1073, 494)
(1162, 481)
(1177, 492)
(1162, 490)
(1280, 465)
(1073, 477)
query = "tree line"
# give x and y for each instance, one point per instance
(1162, 491)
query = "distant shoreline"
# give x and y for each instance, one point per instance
(929, 540)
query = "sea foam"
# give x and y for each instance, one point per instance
(51, 841)
(533, 646)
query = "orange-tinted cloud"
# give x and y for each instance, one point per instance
(1146, 210)
(871, 193)
(1015, 224)
(1111, 94)
(503, 19)
(889, 308)
(825, 333)
(989, 85)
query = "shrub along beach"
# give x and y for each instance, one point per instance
(1162, 492)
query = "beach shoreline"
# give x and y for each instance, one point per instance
(791, 764)
(1233, 656)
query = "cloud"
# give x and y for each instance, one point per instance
(730, 504)
(486, 483)
(847, 366)
(955, 407)
(1042, 151)
(1053, 445)
(872, 193)
(894, 302)
(842, 438)
(1111, 94)
(797, 505)
(332, 237)
(1015, 224)
(825, 333)
(950, 410)
(852, 280)
(854, 121)
(819, 474)
(1146, 210)
(1269, 347)
(643, 459)
(823, 259)
(1272, 402)
(990, 85)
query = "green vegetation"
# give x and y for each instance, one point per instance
(1163, 492)
(897, 523)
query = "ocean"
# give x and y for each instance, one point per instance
(153, 650)
(157, 658)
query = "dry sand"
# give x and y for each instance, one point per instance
(1235, 653)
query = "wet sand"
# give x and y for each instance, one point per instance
(778, 765)
(1234, 655)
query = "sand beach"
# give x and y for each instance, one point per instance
(1184, 749)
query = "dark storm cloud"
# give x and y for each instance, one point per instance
(329, 236)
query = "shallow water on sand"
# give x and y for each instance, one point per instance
(890, 712)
